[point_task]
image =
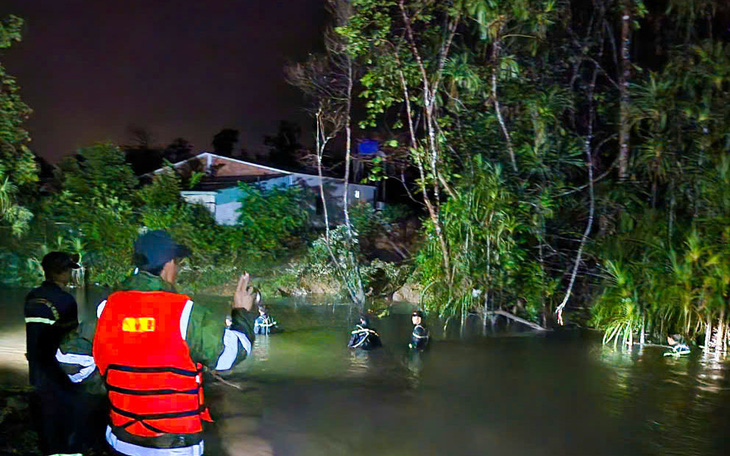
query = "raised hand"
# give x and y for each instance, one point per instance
(244, 297)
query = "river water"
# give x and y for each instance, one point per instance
(509, 393)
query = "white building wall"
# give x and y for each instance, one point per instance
(227, 213)
(224, 205)
(207, 199)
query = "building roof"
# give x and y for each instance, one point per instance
(211, 183)
(209, 155)
(254, 172)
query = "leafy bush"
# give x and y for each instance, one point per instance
(269, 220)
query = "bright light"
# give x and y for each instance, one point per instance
(357, 194)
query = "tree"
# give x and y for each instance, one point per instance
(141, 152)
(328, 82)
(17, 164)
(285, 147)
(225, 141)
(178, 150)
(95, 206)
(462, 81)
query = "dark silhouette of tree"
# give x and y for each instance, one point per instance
(225, 141)
(141, 152)
(178, 150)
(284, 147)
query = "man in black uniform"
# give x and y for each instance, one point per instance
(363, 336)
(50, 314)
(419, 336)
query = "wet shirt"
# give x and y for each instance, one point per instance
(50, 314)
(364, 338)
(264, 324)
(419, 337)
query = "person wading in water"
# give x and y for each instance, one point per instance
(363, 336)
(419, 336)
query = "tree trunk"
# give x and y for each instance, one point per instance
(642, 339)
(358, 292)
(321, 144)
(720, 337)
(708, 333)
(429, 99)
(587, 145)
(625, 74)
(495, 98)
(322, 139)
(509, 316)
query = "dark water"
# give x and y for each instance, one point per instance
(304, 393)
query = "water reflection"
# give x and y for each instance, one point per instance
(359, 363)
(261, 348)
(414, 362)
(673, 401)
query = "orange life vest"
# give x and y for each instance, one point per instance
(154, 385)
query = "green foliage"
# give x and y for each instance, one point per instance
(320, 253)
(489, 231)
(16, 216)
(379, 278)
(95, 206)
(270, 219)
(509, 231)
(100, 171)
(17, 164)
(163, 191)
(667, 262)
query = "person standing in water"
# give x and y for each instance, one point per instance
(51, 314)
(420, 335)
(264, 324)
(678, 345)
(363, 336)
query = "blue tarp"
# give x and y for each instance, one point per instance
(368, 147)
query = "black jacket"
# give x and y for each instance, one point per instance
(364, 338)
(50, 313)
(419, 337)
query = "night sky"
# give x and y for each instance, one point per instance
(90, 69)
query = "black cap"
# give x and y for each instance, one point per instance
(417, 313)
(56, 262)
(155, 248)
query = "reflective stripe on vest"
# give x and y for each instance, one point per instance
(139, 347)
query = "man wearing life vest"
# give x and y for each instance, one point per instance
(151, 345)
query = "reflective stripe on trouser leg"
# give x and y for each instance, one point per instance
(131, 449)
